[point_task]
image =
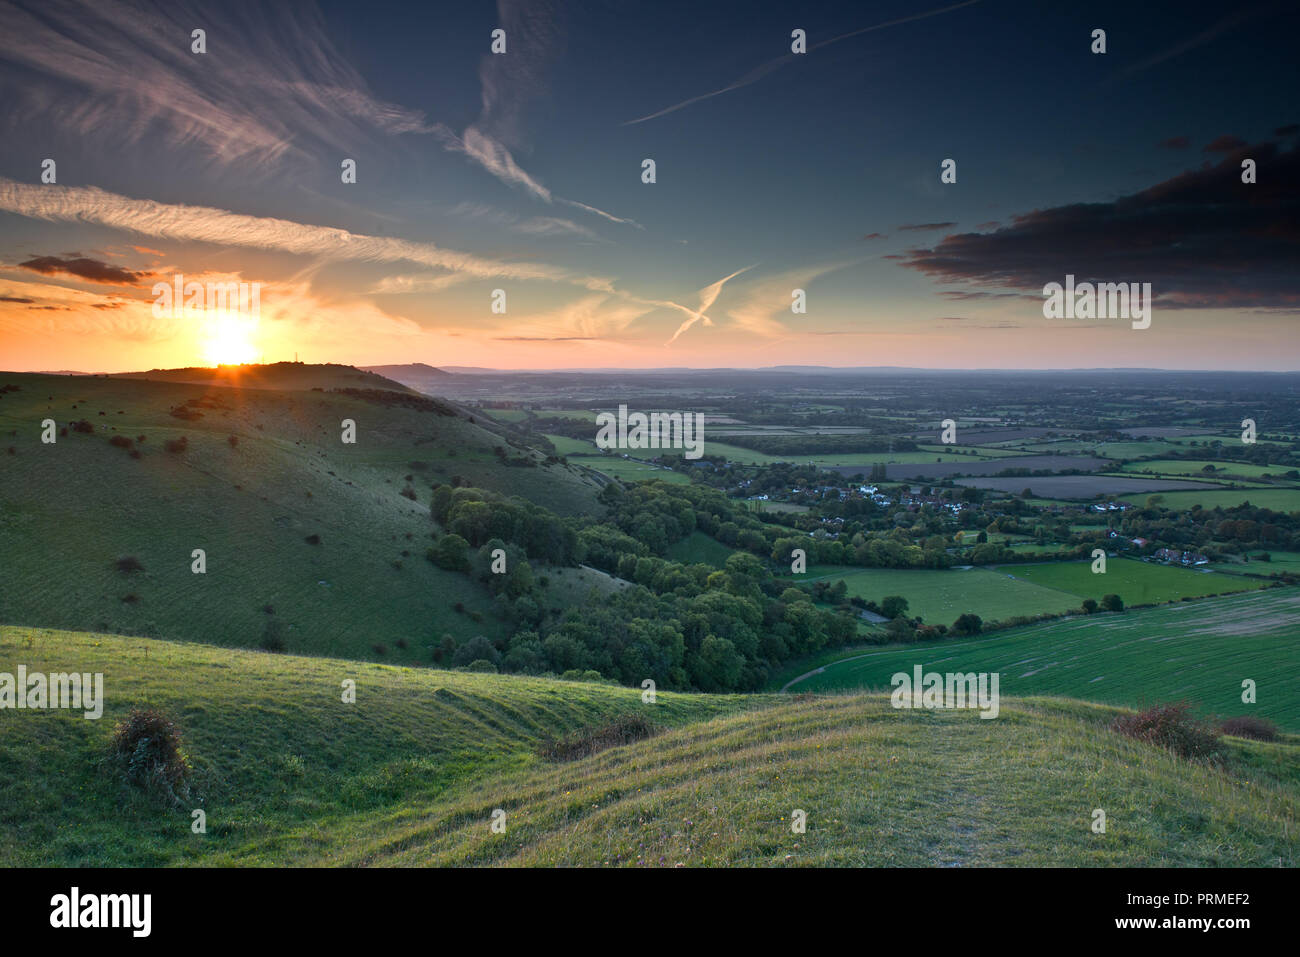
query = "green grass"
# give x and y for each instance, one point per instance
(285, 771)
(1279, 561)
(409, 775)
(567, 446)
(698, 548)
(71, 509)
(735, 453)
(1277, 499)
(629, 470)
(939, 596)
(1138, 583)
(1195, 468)
(1200, 651)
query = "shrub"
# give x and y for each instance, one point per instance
(446, 648)
(476, 648)
(481, 664)
(409, 493)
(1174, 727)
(588, 741)
(1246, 726)
(82, 426)
(129, 563)
(379, 648)
(233, 440)
(269, 609)
(312, 539)
(149, 746)
(121, 442)
(401, 643)
(131, 598)
(1089, 606)
(273, 636)
(891, 606)
(177, 445)
(967, 624)
(1112, 603)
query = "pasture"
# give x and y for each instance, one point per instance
(1198, 651)
(1137, 582)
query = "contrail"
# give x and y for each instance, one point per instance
(756, 74)
(708, 296)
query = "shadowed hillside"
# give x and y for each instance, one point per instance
(330, 536)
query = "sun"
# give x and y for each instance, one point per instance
(228, 340)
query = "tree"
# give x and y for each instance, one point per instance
(451, 552)
(1112, 603)
(717, 666)
(893, 606)
(476, 649)
(967, 624)
(1089, 605)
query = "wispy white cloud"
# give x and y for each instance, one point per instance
(763, 69)
(757, 311)
(208, 225)
(265, 89)
(527, 225)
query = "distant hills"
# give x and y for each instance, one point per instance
(282, 376)
(414, 375)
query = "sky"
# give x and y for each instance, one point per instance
(500, 215)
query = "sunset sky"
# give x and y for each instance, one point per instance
(523, 172)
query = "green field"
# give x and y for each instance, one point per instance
(1279, 561)
(1138, 583)
(699, 549)
(1199, 651)
(1195, 468)
(629, 470)
(567, 446)
(410, 775)
(938, 596)
(1277, 499)
(736, 453)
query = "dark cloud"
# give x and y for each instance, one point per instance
(1176, 143)
(545, 338)
(1224, 144)
(51, 308)
(15, 299)
(1291, 129)
(92, 270)
(962, 295)
(991, 224)
(1203, 239)
(874, 236)
(916, 226)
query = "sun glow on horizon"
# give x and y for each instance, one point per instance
(228, 340)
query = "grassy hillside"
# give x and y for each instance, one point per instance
(281, 376)
(1200, 651)
(289, 516)
(410, 774)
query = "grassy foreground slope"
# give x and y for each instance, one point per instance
(410, 774)
(289, 516)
